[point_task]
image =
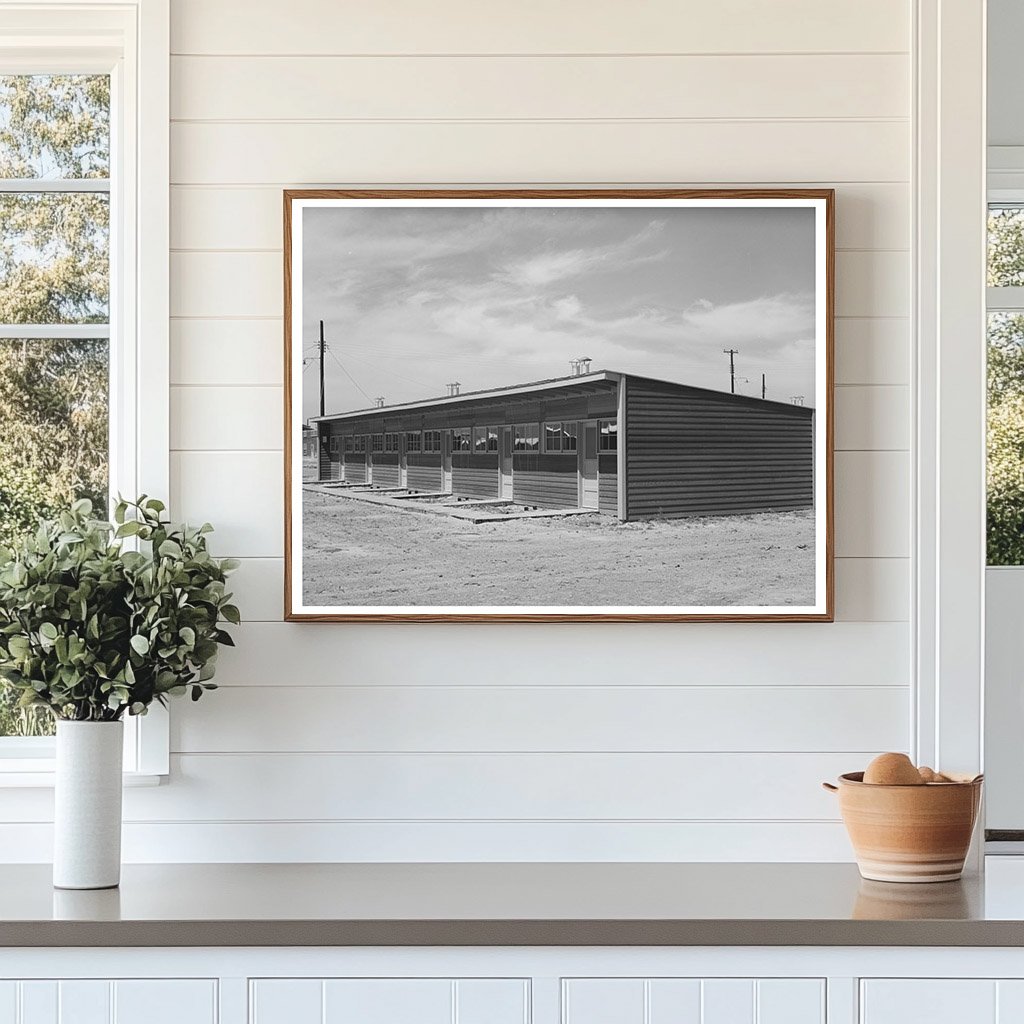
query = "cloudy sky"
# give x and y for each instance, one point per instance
(414, 298)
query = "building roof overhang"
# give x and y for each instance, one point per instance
(583, 382)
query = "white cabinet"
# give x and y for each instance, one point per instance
(143, 1001)
(389, 1001)
(693, 1001)
(942, 1001)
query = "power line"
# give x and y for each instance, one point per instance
(383, 369)
(358, 386)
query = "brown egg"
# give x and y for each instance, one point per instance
(892, 770)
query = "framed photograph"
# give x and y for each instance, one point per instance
(558, 405)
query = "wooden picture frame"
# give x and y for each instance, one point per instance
(747, 419)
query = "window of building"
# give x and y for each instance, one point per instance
(414, 441)
(334, 443)
(609, 435)
(560, 437)
(462, 439)
(431, 440)
(527, 437)
(485, 439)
(348, 442)
(83, 407)
(392, 443)
(378, 443)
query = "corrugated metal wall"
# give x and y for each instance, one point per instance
(424, 472)
(477, 478)
(546, 480)
(324, 457)
(386, 472)
(355, 467)
(692, 452)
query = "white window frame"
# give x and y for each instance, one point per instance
(130, 41)
(609, 433)
(948, 444)
(1004, 585)
(561, 426)
(522, 432)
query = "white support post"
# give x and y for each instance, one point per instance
(949, 444)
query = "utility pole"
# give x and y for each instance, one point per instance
(732, 353)
(764, 389)
(322, 347)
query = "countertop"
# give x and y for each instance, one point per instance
(559, 904)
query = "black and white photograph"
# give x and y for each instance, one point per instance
(516, 405)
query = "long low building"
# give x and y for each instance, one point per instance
(625, 445)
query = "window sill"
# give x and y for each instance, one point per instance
(43, 778)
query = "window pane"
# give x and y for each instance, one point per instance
(1005, 246)
(53, 449)
(54, 258)
(569, 437)
(609, 435)
(1005, 439)
(552, 437)
(54, 126)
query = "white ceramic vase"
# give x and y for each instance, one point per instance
(87, 808)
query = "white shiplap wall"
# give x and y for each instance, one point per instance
(425, 742)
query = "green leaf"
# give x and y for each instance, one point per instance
(170, 549)
(232, 614)
(48, 631)
(140, 644)
(19, 646)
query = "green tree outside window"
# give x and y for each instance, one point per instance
(54, 272)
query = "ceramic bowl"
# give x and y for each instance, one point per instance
(909, 833)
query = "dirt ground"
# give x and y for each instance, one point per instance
(361, 554)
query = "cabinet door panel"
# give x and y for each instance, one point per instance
(286, 1001)
(8, 1002)
(84, 1002)
(165, 1002)
(491, 1001)
(934, 1001)
(728, 1001)
(388, 1001)
(674, 1001)
(1010, 1002)
(39, 1002)
(693, 1001)
(791, 1001)
(603, 1001)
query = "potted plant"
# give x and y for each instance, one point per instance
(99, 620)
